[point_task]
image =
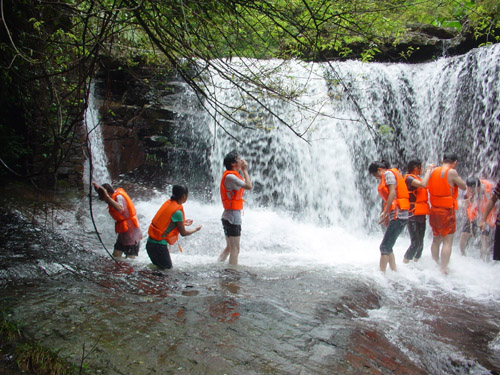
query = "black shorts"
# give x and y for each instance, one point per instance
(128, 250)
(231, 230)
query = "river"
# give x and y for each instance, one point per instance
(307, 297)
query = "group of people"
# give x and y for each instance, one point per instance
(407, 200)
(410, 199)
(170, 220)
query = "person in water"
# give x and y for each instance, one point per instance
(392, 189)
(232, 187)
(477, 196)
(167, 224)
(443, 192)
(487, 211)
(419, 208)
(122, 210)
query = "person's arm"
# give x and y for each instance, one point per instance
(104, 196)
(456, 180)
(388, 204)
(185, 232)
(425, 180)
(248, 183)
(489, 206)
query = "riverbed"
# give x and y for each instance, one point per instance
(305, 299)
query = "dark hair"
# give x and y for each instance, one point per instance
(230, 159)
(472, 182)
(108, 188)
(450, 157)
(414, 163)
(178, 191)
(373, 168)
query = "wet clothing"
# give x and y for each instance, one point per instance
(128, 250)
(416, 223)
(443, 198)
(398, 216)
(163, 227)
(159, 254)
(158, 248)
(391, 234)
(417, 234)
(231, 230)
(232, 183)
(442, 221)
(132, 236)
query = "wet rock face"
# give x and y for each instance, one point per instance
(212, 320)
(143, 130)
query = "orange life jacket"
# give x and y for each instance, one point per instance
(235, 202)
(162, 220)
(440, 191)
(418, 205)
(121, 225)
(402, 195)
(475, 207)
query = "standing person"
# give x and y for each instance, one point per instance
(477, 195)
(167, 224)
(419, 208)
(487, 210)
(122, 209)
(443, 192)
(392, 188)
(232, 188)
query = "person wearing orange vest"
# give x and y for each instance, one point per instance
(232, 187)
(167, 224)
(419, 208)
(476, 199)
(392, 189)
(487, 211)
(443, 192)
(122, 210)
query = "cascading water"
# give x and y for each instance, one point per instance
(96, 165)
(307, 297)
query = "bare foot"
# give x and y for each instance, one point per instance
(406, 260)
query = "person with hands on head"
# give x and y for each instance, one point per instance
(232, 187)
(122, 210)
(392, 189)
(482, 224)
(419, 208)
(166, 226)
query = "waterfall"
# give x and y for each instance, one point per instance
(351, 113)
(96, 153)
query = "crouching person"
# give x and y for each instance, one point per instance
(166, 226)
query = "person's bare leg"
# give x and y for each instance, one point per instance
(436, 243)
(225, 253)
(464, 239)
(392, 262)
(117, 253)
(485, 248)
(384, 259)
(446, 252)
(235, 250)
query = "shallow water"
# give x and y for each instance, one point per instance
(305, 299)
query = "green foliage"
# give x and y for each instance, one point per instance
(50, 51)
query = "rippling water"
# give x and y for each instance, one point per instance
(305, 300)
